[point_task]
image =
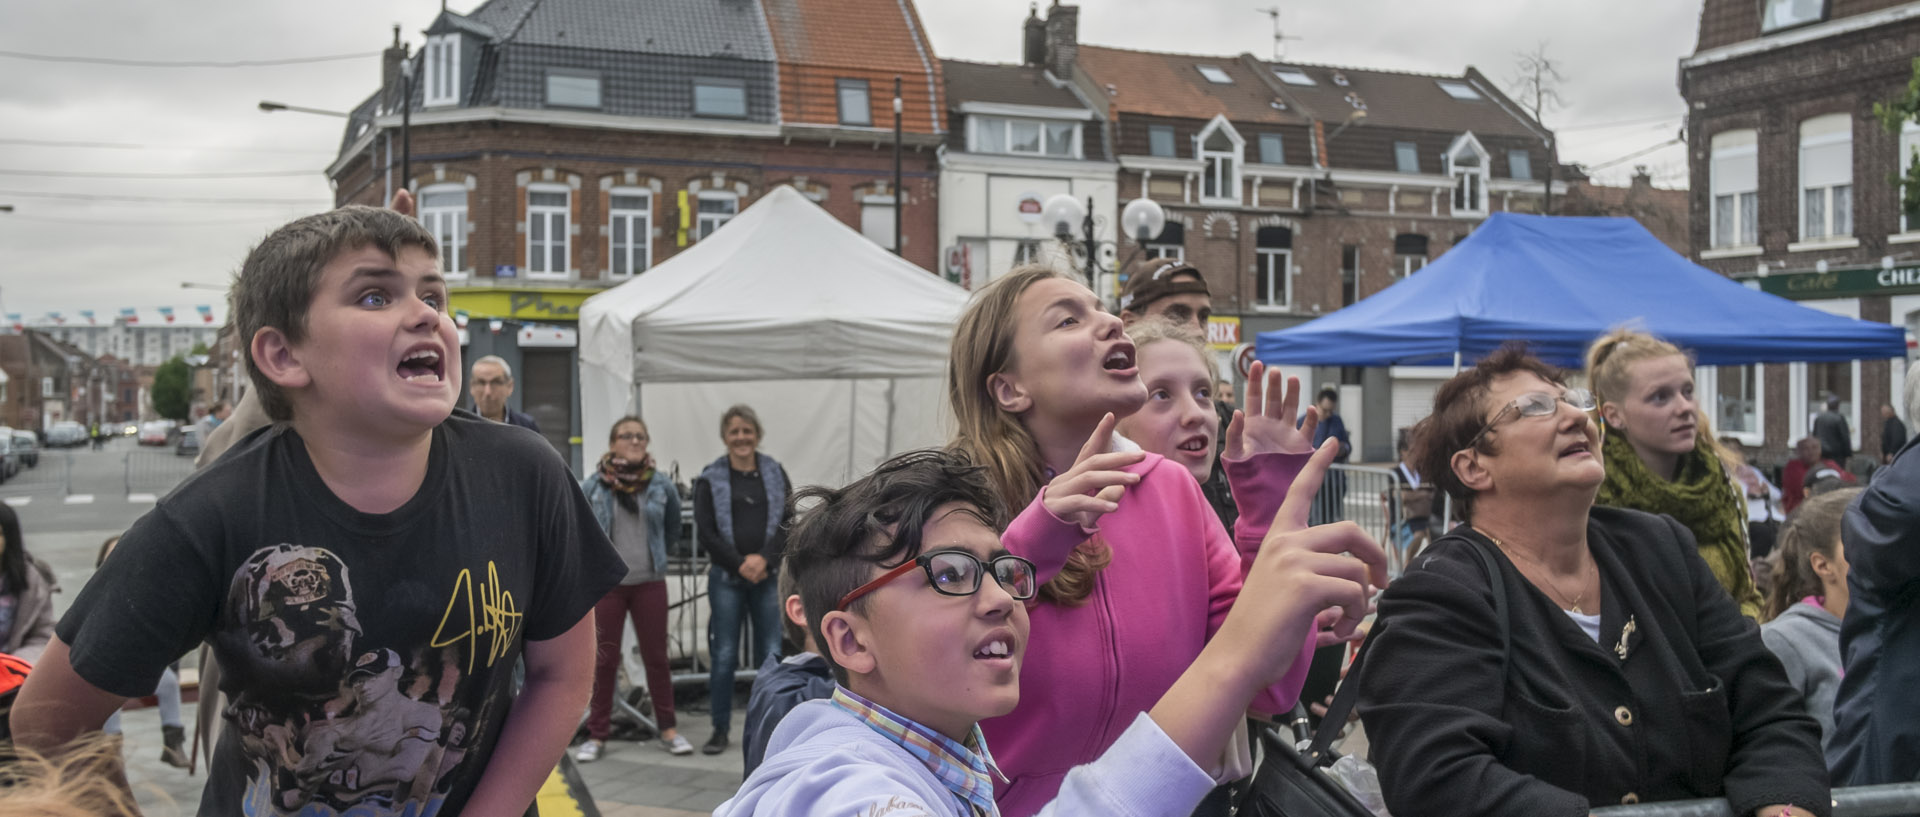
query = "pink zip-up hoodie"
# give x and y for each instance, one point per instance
(1090, 669)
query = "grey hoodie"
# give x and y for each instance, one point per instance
(1806, 639)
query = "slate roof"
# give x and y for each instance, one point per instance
(1005, 85)
(819, 42)
(689, 28)
(1403, 100)
(1161, 84)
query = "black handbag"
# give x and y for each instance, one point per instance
(1294, 782)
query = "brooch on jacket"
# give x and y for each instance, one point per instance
(1625, 633)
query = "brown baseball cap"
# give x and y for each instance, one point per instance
(1150, 279)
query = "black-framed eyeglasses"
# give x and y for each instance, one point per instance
(959, 573)
(631, 437)
(1537, 404)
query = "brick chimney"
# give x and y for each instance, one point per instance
(1063, 39)
(390, 60)
(1642, 178)
(1033, 39)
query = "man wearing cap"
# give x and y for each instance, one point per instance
(1170, 289)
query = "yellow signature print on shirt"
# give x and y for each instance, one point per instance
(497, 620)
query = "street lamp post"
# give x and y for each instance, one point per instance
(897, 198)
(1142, 219)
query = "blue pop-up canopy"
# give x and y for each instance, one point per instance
(1558, 282)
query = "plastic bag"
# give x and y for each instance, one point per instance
(1360, 780)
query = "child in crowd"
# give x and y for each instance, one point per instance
(922, 616)
(173, 730)
(1137, 571)
(1807, 600)
(784, 681)
(367, 570)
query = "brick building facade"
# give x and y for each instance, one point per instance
(1793, 192)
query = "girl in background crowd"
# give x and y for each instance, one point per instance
(1137, 570)
(1660, 457)
(739, 505)
(1808, 599)
(26, 594)
(173, 729)
(640, 510)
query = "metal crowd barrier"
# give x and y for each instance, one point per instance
(1887, 800)
(1369, 497)
(155, 470)
(51, 473)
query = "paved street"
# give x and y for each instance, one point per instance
(66, 529)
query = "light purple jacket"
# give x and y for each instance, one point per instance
(823, 761)
(1091, 669)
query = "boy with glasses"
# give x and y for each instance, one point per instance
(920, 613)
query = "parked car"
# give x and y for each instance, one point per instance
(155, 433)
(66, 434)
(27, 448)
(9, 464)
(189, 445)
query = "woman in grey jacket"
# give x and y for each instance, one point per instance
(1807, 599)
(640, 510)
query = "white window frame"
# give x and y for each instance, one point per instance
(442, 58)
(869, 204)
(1706, 381)
(639, 230)
(564, 75)
(1409, 264)
(1800, 415)
(840, 88)
(1768, 26)
(701, 219)
(1220, 167)
(1459, 90)
(562, 216)
(1830, 192)
(1215, 74)
(1729, 148)
(1276, 265)
(977, 124)
(449, 222)
(1359, 252)
(1177, 252)
(1025, 251)
(1909, 142)
(1473, 179)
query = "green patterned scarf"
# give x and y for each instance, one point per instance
(1701, 497)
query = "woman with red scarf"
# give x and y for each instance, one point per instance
(640, 510)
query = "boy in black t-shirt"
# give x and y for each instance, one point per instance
(367, 569)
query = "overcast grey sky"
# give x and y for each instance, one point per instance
(66, 249)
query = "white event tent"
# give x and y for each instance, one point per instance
(838, 344)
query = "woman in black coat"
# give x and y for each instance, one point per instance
(1628, 675)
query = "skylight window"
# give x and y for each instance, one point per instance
(1459, 90)
(1293, 76)
(1214, 74)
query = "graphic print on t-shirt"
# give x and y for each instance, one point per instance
(334, 726)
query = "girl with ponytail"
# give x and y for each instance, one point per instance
(1808, 599)
(1661, 457)
(1137, 571)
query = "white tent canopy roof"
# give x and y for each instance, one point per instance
(784, 291)
(838, 343)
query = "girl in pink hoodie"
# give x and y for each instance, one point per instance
(1138, 571)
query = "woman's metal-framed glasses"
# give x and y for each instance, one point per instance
(631, 437)
(959, 573)
(1537, 404)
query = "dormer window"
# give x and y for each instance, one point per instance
(1025, 137)
(1214, 74)
(1779, 14)
(1221, 151)
(1467, 164)
(442, 57)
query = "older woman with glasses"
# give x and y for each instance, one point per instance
(640, 509)
(1598, 663)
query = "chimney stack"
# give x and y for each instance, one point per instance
(1063, 39)
(1033, 42)
(390, 61)
(1642, 178)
